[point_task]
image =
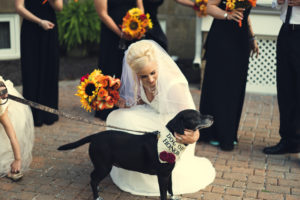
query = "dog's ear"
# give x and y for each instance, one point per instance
(176, 124)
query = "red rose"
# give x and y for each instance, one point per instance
(143, 16)
(84, 77)
(168, 157)
(171, 158)
(163, 155)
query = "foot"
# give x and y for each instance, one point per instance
(216, 143)
(227, 147)
(281, 148)
(15, 176)
(175, 198)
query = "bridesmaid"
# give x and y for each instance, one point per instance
(228, 49)
(16, 134)
(40, 55)
(111, 13)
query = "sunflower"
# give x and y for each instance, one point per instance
(87, 90)
(230, 4)
(135, 12)
(85, 104)
(132, 26)
(95, 73)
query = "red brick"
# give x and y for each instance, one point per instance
(236, 176)
(292, 197)
(251, 193)
(278, 189)
(270, 196)
(218, 189)
(235, 192)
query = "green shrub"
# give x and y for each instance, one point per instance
(78, 24)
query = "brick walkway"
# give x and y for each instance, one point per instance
(245, 173)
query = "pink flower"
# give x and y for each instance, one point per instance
(84, 77)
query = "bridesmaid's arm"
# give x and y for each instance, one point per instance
(101, 8)
(57, 5)
(8, 127)
(253, 42)
(26, 14)
(218, 13)
(188, 3)
(140, 5)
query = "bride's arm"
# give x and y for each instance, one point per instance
(8, 127)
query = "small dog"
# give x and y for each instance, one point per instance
(136, 152)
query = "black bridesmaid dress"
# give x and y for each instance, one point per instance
(156, 33)
(110, 55)
(40, 61)
(223, 91)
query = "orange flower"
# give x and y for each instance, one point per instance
(103, 81)
(102, 93)
(115, 95)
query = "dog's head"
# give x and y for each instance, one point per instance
(189, 119)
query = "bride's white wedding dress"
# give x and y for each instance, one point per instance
(22, 121)
(190, 174)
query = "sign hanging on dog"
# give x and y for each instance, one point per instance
(169, 151)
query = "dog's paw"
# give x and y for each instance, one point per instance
(175, 198)
(99, 198)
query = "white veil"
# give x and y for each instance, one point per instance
(173, 94)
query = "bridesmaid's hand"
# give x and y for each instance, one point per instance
(294, 2)
(126, 36)
(189, 137)
(254, 48)
(236, 15)
(46, 25)
(3, 94)
(16, 166)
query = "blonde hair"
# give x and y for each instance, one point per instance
(140, 54)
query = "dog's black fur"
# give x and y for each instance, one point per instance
(136, 152)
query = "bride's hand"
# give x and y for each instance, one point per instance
(121, 103)
(189, 136)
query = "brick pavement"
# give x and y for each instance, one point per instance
(243, 174)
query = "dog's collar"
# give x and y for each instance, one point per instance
(169, 151)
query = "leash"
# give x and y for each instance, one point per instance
(64, 114)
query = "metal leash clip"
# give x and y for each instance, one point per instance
(3, 92)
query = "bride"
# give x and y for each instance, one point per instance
(153, 91)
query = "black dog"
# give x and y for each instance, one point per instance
(136, 152)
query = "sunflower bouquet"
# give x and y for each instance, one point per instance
(136, 23)
(200, 7)
(98, 91)
(234, 4)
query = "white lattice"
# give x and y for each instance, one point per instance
(262, 70)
